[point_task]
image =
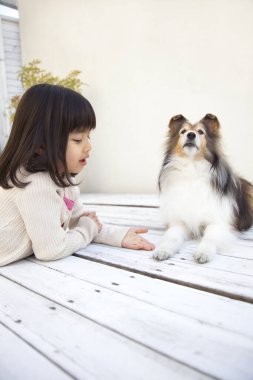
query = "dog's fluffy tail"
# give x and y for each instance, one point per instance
(243, 213)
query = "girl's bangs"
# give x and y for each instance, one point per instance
(81, 115)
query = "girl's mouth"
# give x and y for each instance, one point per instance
(83, 161)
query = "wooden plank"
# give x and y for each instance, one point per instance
(85, 349)
(241, 248)
(229, 314)
(201, 346)
(128, 215)
(143, 216)
(13, 69)
(11, 34)
(10, 26)
(12, 47)
(209, 277)
(13, 55)
(218, 276)
(145, 200)
(11, 62)
(149, 217)
(236, 258)
(19, 360)
(12, 52)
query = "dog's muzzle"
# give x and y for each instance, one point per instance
(190, 142)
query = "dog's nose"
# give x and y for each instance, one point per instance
(191, 135)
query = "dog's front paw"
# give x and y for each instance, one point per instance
(161, 254)
(165, 251)
(201, 257)
(204, 254)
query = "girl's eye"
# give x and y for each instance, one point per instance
(200, 132)
(77, 141)
(183, 131)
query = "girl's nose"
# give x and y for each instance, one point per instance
(87, 146)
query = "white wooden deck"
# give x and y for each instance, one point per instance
(110, 313)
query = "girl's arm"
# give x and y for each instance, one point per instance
(117, 236)
(40, 208)
(111, 235)
(78, 209)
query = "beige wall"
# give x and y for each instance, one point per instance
(145, 61)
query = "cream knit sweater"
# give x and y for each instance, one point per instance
(36, 220)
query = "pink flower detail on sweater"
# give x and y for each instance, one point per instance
(69, 203)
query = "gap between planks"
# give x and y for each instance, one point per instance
(65, 372)
(119, 205)
(219, 292)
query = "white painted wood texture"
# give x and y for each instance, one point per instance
(233, 282)
(65, 332)
(12, 55)
(10, 63)
(230, 273)
(230, 314)
(19, 360)
(113, 313)
(191, 341)
(146, 200)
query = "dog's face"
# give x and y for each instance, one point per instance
(197, 140)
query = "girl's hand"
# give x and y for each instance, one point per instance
(134, 241)
(93, 216)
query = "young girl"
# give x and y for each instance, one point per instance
(39, 206)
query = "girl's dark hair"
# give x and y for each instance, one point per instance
(45, 116)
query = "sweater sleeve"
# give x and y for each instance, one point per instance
(111, 235)
(40, 208)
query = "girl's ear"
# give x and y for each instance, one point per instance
(176, 122)
(211, 122)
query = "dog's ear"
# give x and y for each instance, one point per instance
(176, 122)
(211, 122)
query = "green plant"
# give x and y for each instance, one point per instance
(32, 74)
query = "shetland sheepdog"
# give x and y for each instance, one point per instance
(201, 197)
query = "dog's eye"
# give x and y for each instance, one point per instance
(183, 131)
(200, 132)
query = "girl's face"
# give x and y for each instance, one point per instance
(78, 149)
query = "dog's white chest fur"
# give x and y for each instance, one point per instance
(187, 196)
